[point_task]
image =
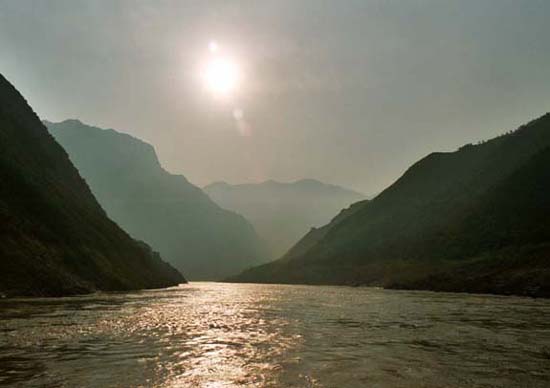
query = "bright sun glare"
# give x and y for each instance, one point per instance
(221, 74)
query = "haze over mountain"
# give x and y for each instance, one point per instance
(282, 213)
(55, 239)
(473, 220)
(349, 92)
(163, 209)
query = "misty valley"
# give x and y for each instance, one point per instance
(248, 223)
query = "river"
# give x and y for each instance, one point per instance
(246, 335)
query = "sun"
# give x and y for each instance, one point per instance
(221, 74)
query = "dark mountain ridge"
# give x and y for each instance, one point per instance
(482, 204)
(55, 239)
(191, 231)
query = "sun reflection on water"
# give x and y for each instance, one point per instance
(207, 341)
(229, 335)
(217, 342)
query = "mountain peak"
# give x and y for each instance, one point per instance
(217, 185)
(282, 212)
(309, 181)
(72, 122)
(158, 207)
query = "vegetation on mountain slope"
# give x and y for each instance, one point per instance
(471, 220)
(55, 239)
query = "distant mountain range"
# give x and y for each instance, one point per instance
(55, 239)
(193, 233)
(282, 213)
(474, 220)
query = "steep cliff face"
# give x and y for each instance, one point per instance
(165, 210)
(481, 209)
(55, 239)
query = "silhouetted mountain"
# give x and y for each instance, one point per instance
(165, 210)
(55, 239)
(474, 220)
(283, 212)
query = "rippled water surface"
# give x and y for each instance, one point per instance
(225, 335)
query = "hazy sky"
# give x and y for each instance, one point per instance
(348, 92)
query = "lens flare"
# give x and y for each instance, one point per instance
(213, 46)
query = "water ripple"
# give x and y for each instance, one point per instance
(230, 335)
